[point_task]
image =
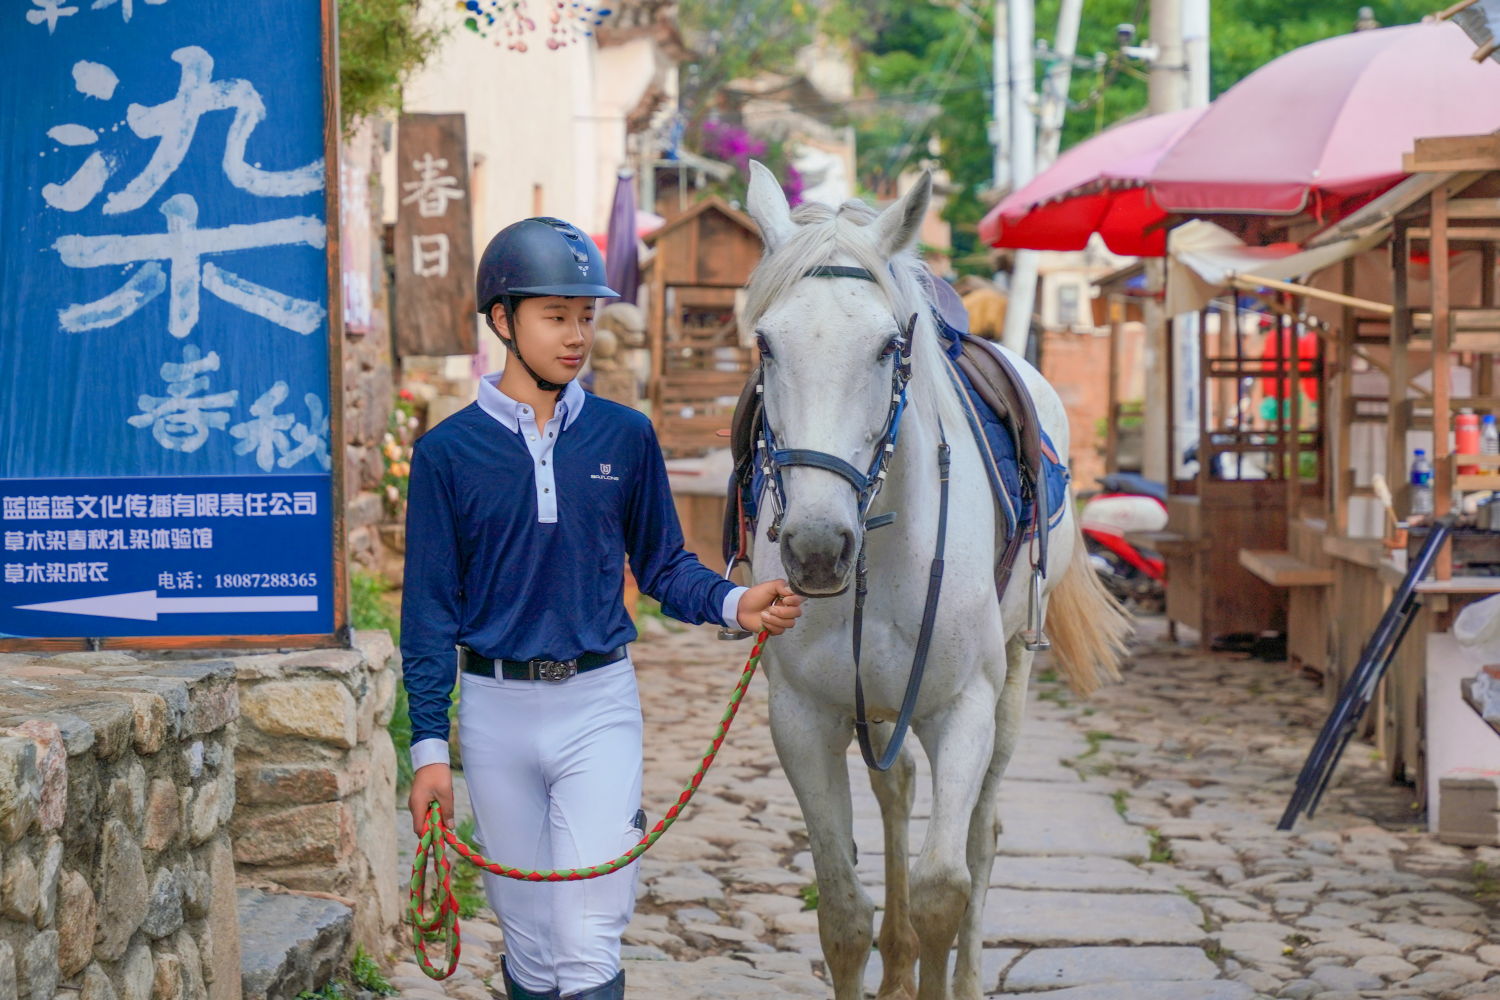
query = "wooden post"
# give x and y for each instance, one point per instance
(1293, 416)
(1206, 453)
(1397, 414)
(1484, 364)
(656, 327)
(1341, 478)
(1170, 367)
(1442, 462)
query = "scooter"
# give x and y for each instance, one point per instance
(1128, 502)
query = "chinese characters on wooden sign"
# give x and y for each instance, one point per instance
(435, 309)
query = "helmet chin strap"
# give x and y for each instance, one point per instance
(515, 348)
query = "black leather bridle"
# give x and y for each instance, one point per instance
(867, 486)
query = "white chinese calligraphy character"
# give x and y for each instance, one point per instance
(50, 11)
(434, 190)
(126, 6)
(429, 256)
(181, 246)
(97, 81)
(311, 438)
(180, 421)
(266, 434)
(175, 121)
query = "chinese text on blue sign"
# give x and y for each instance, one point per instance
(165, 464)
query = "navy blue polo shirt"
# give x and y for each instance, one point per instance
(517, 536)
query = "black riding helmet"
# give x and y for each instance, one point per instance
(535, 257)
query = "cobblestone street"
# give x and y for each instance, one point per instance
(1139, 856)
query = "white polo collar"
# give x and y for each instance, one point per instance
(507, 411)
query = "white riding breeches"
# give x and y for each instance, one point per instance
(554, 774)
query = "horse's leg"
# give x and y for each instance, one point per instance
(984, 825)
(959, 743)
(811, 741)
(895, 790)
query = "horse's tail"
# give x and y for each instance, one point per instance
(1088, 627)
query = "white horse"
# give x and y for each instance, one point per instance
(828, 387)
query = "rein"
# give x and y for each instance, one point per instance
(867, 486)
(441, 923)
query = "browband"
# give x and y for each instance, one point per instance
(839, 271)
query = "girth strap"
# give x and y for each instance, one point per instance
(924, 637)
(825, 461)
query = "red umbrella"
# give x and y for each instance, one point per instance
(1328, 120)
(1097, 186)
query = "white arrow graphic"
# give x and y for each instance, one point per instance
(144, 605)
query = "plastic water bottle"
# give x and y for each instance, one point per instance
(1421, 483)
(1489, 437)
(1466, 440)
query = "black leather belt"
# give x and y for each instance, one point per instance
(471, 662)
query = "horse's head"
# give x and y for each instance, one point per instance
(828, 346)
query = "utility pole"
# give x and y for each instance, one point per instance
(1059, 79)
(1195, 34)
(1054, 108)
(1022, 165)
(1167, 92)
(1000, 118)
(1167, 87)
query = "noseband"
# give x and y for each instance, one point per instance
(867, 487)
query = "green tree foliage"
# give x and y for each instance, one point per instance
(1243, 36)
(927, 66)
(734, 39)
(917, 58)
(381, 43)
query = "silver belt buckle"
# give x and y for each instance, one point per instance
(553, 670)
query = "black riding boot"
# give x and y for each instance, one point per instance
(515, 992)
(612, 990)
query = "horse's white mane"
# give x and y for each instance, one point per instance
(825, 235)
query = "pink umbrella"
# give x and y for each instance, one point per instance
(1097, 186)
(1328, 120)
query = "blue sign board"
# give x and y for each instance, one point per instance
(166, 465)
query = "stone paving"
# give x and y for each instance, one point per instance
(1138, 859)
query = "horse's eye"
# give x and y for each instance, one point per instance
(760, 343)
(891, 347)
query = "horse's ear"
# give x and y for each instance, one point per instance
(898, 224)
(768, 207)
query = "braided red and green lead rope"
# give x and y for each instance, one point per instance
(436, 838)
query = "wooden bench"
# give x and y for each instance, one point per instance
(1282, 569)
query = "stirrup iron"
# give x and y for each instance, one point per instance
(1035, 639)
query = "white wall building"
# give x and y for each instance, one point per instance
(548, 129)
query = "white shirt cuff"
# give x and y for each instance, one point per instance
(732, 607)
(425, 752)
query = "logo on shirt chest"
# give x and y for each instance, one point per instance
(604, 473)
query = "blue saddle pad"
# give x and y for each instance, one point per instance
(991, 433)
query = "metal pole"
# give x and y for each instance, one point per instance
(1059, 79)
(1166, 87)
(1195, 51)
(1000, 123)
(1166, 94)
(1022, 166)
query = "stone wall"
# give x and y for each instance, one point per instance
(116, 782)
(316, 779)
(369, 383)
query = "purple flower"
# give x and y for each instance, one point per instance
(731, 144)
(792, 186)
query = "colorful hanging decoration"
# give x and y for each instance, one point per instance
(510, 21)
